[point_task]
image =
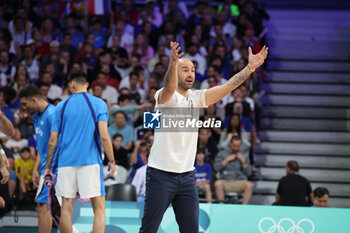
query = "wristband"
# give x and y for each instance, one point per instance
(2, 152)
(111, 161)
(251, 70)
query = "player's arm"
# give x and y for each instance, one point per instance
(107, 145)
(170, 80)
(3, 170)
(36, 175)
(215, 94)
(51, 148)
(6, 125)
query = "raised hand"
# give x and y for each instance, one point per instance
(258, 59)
(175, 49)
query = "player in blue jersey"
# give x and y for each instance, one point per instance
(79, 129)
(33, 103)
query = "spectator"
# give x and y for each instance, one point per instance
(137, 94)
(26, 126)
(235, 129)
(47, 31)
(77, 39)
(218, 37)
(213, 72)
(126, 40)
(232, 172)
(21, 70)
(87, 56)
(193, 55)
(20, 82)
(4, 109)
(196, 38)
(228, 29)
(131, 12)
(210, 113)
(52, 56)
(173, 5)
(54, 91)
(109, 93)
(66, 45)
(139, 158)
(237, 43)
(11, 99)
(207, 144)
(122, 16)
(115, 47)
(44, 90)
(41, 49)
(99, 33)
(203, 174)
(7, 71)
(17, 143)
(153, 14)
(321, 197)
(246, 98)
(62, 67)
(142, 48)
(20, 114)
(19, 31)
(139, 180)
(159, 72)
(293, 189)
(121, 127)
(251, 40)
(24, 171)
(31, 64)
(197, 15)
(152, 62)
(120, 154)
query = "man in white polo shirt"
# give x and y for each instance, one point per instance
(170, 173)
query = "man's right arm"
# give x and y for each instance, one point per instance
(3, 170)
(170, 82)
(36, 175)
(6, 125)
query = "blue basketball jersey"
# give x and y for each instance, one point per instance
(42, 124)
(78, 145)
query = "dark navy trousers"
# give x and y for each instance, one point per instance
(163, 188)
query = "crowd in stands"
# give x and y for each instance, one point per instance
(125, 54)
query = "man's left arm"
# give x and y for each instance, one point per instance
(107, 146)
(51, 149)
(215, 94)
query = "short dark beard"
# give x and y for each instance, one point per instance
(183, 86)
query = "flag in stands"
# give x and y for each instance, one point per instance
(98, 7)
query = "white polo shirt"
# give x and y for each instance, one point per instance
(176, 151)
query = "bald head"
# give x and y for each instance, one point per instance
(185, 61)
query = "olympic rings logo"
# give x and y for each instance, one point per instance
(279, 228)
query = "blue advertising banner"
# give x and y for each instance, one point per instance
(125, 217)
